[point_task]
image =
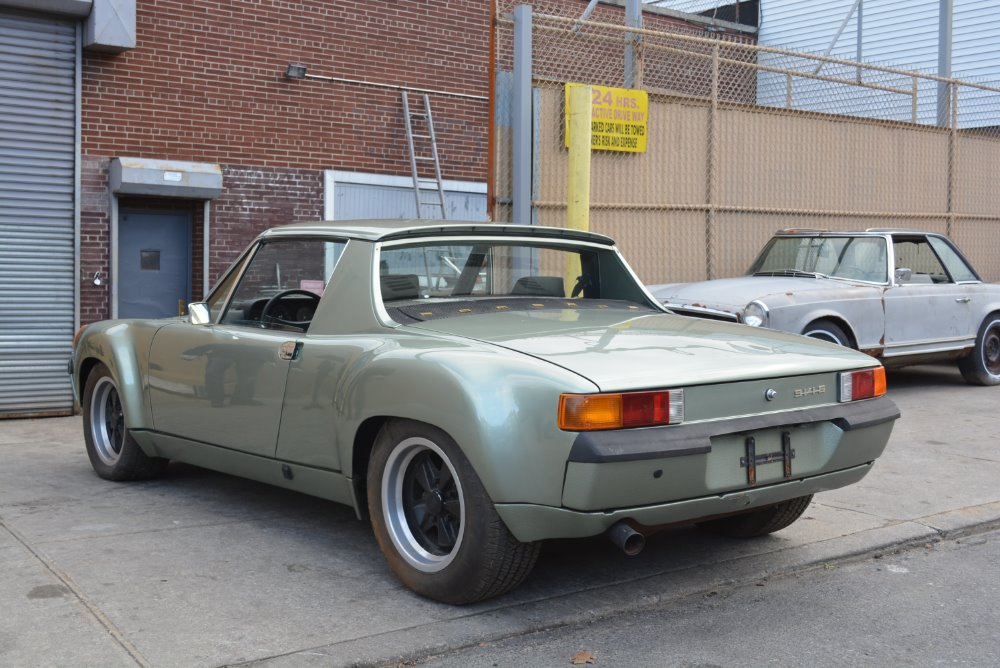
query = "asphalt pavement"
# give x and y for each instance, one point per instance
(204, 569)
(926, 606)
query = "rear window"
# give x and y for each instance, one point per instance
(471, 273)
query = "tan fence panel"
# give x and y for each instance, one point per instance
(977, 180)
(815, 162)
(743, 140)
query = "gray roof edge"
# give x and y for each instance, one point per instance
(869, 232)
(394, 230)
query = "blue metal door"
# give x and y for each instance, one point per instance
(154, 263)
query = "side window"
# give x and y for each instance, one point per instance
(917, 255)
(953, 262)
(217, 300)
(282, 284)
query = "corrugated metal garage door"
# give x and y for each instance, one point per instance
(37, 177)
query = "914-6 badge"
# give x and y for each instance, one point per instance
(809, 391)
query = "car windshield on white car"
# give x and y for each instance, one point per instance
(846, 257)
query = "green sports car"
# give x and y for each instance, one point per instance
(475, 389)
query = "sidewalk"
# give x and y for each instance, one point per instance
(204, 569)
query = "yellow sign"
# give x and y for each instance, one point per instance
(617, 118)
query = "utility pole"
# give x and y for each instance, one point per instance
(945, 13)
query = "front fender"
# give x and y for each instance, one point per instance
(123, 347)
(862, 317)
(987, 302)
(500, 408)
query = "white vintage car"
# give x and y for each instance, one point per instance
(902, 296)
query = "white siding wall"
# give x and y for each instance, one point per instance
(356, 195)
(901, 33)
(896, 32)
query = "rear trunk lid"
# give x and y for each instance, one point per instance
(619, 350)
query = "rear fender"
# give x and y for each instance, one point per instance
(499, 407)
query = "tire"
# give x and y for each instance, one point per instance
(466, 553)
(827, 331)
(761, 521)
(982, 365)
(113, 452)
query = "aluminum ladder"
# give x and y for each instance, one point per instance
(426, 139)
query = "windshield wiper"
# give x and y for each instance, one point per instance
(791, 272)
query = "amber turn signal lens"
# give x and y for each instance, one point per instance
(586, 412)
(865, 384)
(880, 381)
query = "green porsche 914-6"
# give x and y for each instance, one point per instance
(475, 389)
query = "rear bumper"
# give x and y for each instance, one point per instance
(644, 467)
(669, 475)
(532, 522)
(602, 447)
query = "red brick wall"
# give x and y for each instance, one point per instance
(94, 234)
(254, 199)
(206, 83)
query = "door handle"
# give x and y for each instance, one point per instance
(289, 350)
(963, 300)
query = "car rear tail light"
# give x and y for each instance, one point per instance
(591, 412)
(865, 384)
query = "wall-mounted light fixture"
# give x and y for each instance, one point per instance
(295, 71)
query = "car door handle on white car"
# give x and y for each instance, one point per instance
(963, 300)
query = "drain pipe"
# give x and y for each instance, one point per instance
(628, 539)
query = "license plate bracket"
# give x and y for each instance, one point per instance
(752, 460)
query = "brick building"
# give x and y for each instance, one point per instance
(136, 161)
(144, 143)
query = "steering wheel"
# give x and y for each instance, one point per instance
(265, 318)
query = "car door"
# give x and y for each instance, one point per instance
(313, 398)
(223, 383)
(927, 308)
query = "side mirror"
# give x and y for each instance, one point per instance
(199, 313)
(903, 275)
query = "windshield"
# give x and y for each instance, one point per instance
(478, 276)
(855, 258)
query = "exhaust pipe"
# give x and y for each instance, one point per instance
(628, 539)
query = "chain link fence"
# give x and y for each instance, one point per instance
(745, 139)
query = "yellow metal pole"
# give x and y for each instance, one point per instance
(578, 190)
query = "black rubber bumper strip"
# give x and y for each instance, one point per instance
(625, 445)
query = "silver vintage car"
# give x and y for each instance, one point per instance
(901, 296)
(474, 389)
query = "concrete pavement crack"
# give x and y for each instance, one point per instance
(978, 459)
(837, 506)
(82, 597)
